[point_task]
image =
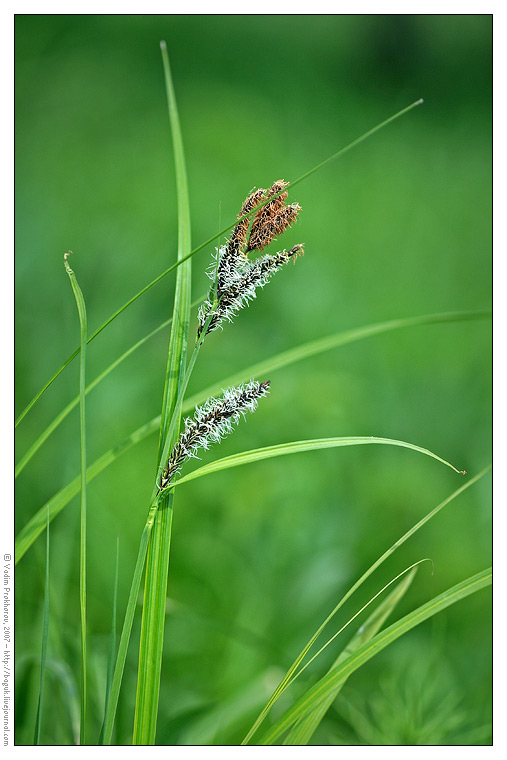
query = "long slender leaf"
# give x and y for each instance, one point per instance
(152, 625)
(75, 401)
(81, 308)
(121, 657)
(325, 686)
(111, 657)
(305, 727)
(210, 240)
(314, 347)
(297, 447)
(44, 644)
(36, 524)
(299, 659)
(282, 359)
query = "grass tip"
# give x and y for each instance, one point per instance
(163, 45)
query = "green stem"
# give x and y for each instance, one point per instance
(78, 295)
(157, 567)
(114, 694)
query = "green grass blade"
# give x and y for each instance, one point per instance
(153, 620)
(325, 686)
(112, 640)
(81, 308)
(210, 240)
(44, 645)
(299, 659)
(314, 347)
(63, 414)
(355, 615)
(305, 727)
(36, 525)
(297, 447)
(267, 366)
(111, 657)
(121, 657)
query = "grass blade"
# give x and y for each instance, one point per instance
(70, 406)
(210, 240)
(326, 685)
(111, 658)
(44, 645)
(36, 524)
(121, 657)
(305, 727)
(320, 345)
(299, 659)
(81, 308)
(282, 359)
(152, 625)
(297, 447)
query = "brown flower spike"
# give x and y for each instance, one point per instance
(235, 277)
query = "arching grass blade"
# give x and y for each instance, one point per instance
(282, 359)
(297, 447)
(210, 240)
(36, 524)
(301, 656)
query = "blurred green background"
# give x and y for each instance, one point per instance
(400, 226)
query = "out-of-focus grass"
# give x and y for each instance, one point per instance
(399, 227)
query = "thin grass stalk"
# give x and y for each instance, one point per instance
(81, 308)
(111, 657)
(36, 525)
(112, 640)
(211, 240)
(44, 644)
(414, 566)
(121, 657)
(305, 727)
(75, 401)
(299, 659)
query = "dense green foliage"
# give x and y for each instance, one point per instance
(399, 227)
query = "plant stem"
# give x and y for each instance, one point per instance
(152, 624)
(78, 295)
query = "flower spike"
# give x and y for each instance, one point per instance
(212, 421)
(235, 277)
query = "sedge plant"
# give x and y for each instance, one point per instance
(240, 268)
